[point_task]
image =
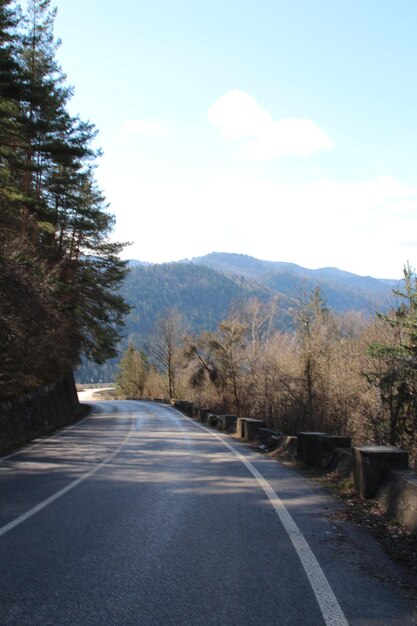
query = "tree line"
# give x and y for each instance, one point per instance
(336, 373)
(59, 271)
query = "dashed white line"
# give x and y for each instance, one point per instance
(42, 505)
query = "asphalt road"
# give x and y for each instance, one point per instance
(138, 515)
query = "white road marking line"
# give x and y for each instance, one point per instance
(327, 601)
(42, 505)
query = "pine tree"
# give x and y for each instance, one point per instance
(394, 374)
(59, 273)
(133, 369)
(314, 328)
(10, 110)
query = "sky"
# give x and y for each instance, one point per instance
(281, 129)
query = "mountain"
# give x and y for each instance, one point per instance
(135, 263)
(343, 291)
(202, 294)
(203, 289)
(251, 267)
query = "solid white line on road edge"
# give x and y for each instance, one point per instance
(42, 505)
(329, 606)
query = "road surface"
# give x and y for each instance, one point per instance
(138, 515)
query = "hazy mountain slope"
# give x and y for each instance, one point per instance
(342, 290)
(239, 264)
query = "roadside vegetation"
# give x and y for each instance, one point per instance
(337, 373)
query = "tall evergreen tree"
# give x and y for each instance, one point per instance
(10, 109)
(314, 327)
(394, 374)
(59, 271)
(133, 369)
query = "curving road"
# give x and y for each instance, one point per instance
(138, 515)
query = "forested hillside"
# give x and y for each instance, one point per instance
(59, 273)
(202, 295)
(343, 291)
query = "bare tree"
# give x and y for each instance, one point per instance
(165, 346)
(221, 356)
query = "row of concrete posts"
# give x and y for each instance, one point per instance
(378, 472)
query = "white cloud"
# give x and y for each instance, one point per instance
(142, 127)
(287, 137)
(238, 115)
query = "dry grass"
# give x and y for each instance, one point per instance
(391, 534)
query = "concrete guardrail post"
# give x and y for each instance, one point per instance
(370, 465)
(227, 423)
(397, 496)
(247, 428)
(307, 446)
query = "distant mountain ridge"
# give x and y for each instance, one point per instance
(203, 290)
(342, 290)
(251, 266)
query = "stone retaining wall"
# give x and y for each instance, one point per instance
(38, 412)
